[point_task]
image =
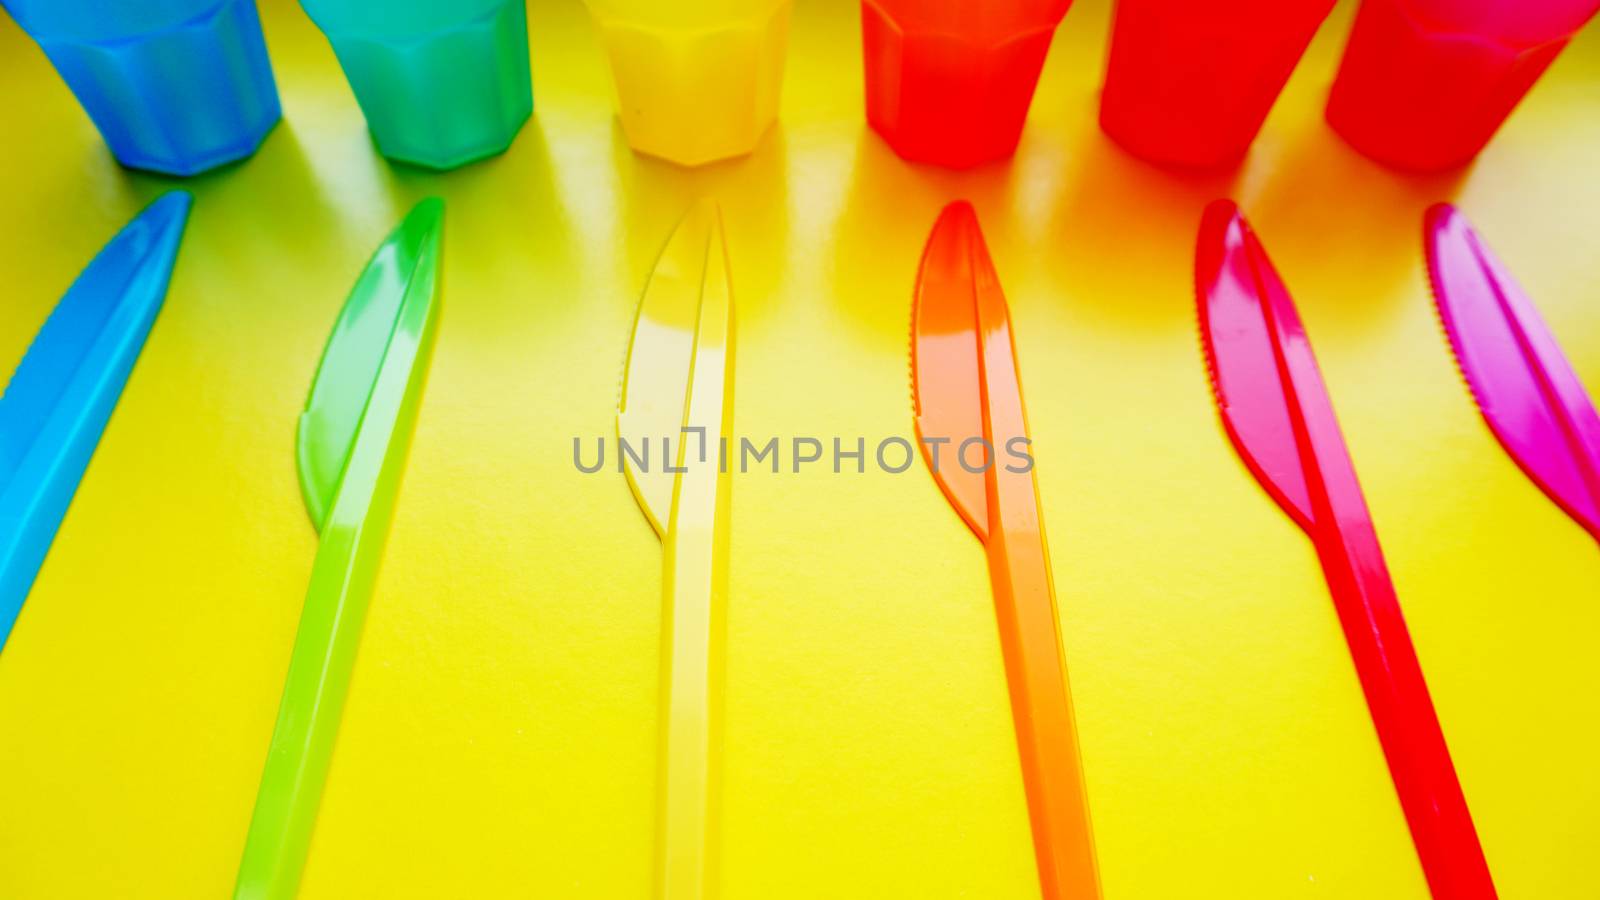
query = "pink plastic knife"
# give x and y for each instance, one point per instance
(1526, 389)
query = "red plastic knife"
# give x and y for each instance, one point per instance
(1277, 413)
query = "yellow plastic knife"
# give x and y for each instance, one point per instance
(677, 410)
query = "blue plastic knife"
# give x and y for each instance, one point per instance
(62, 393)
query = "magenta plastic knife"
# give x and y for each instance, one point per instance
(1523, 384)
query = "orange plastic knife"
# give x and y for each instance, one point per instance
(974, 436)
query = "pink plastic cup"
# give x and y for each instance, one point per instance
(1426, 83)
(1189, 84)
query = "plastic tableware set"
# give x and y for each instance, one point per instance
(180, 86)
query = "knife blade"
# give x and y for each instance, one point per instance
(679, 379)
(1526, 389)
(351, 448)
(62, 394)
(1277, 412)
(967, 400)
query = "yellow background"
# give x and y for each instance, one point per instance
(500, 733)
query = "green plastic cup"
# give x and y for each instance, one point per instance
(441, 83)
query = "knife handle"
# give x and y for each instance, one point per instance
(1041, 705)
(343, 577)
(693, 616)
(1402, 711)
(314, 691)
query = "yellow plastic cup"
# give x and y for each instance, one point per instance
(697, 80)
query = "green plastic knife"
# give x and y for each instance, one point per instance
(351, 448)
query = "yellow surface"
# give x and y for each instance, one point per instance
(500, 735)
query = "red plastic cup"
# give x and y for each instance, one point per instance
(949, 81)
(1426, 83)
(1189, 84)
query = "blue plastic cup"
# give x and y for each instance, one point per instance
(441, 82)
(175, 86)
